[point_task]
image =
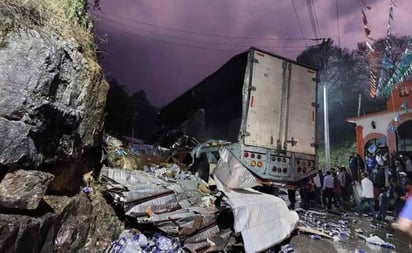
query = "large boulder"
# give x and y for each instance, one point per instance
(52, 99)
(77, 224)
(23, 189)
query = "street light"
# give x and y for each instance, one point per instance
(326, 126)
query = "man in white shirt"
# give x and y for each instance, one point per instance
(367, 195)
(318, 188)
(328, 184)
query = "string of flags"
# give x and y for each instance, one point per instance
(389, 75)
(372, 53)
(402, 70)
(386, 62)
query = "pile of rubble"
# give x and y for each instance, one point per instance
(168, 209)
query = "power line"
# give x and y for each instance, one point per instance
(300, 25)
(313, 18)
(201, 34)
(316, 17)
(191, 40)
(177, 43)
(337, 20)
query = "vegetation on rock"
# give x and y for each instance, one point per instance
(67, 18)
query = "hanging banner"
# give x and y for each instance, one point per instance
(386, 63)
(367, 31)
(403, 69)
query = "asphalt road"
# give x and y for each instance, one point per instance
(348, 223)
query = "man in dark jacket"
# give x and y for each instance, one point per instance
(353, 166)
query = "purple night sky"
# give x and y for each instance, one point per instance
(164, 47)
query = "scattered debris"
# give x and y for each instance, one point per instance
(315, 237)
(314, 232)
(359, 230)
(134, 241)
(376, 240)
(165, 202)
(176, 203)
(249, 206)
(287, 249)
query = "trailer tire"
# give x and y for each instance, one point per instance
(200, 166)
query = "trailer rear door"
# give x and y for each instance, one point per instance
(280, 113)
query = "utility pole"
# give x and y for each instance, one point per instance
(326, 126)
(359, 103)
(326, 43)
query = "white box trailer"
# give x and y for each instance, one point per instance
(264, 105)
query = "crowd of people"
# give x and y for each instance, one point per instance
(376, 184)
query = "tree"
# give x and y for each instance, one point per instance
(347, 76)
(336, 72)
(119, 111)
(144, 115)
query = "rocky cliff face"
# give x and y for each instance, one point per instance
(52, 98)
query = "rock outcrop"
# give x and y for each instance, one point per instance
(52, 99)
(78, 224)
(23, 189)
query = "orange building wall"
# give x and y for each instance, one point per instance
(359, 140)
(399, 95)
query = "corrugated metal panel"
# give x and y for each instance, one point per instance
(158, 204)
(258, 233)
(232, 172)
(133, 179)
(143, 194)
(204, 233)
(263, 220)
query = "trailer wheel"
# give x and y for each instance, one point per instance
(200, 167)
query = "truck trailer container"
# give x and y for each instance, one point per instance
(264, 108)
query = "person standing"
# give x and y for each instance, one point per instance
(342, 177)
(397, 193)
(318, 189)
(328, 185)
(337, 190)
(378, 179)
(346, 181)
(292, 198)
(367, 195)
(321, 176)
(404, 221)
(310, 191)
(353, 166)
(361, 163)
(370, 164)
(383, 204)
(408, 167)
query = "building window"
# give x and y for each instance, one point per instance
(404, 145)
(404, 137)
(404, 91)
